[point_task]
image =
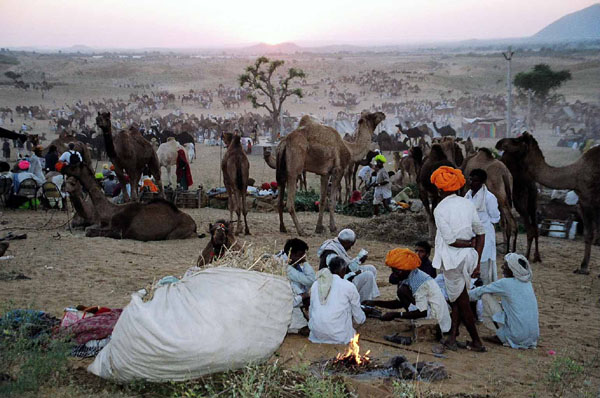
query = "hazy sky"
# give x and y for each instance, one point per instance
(201, 23)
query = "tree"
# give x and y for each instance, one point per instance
(541, 80)
(267, 94)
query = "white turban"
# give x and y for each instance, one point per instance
(347, 235)
(519, 266)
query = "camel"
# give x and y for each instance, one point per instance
(583, 177)
(446, 131)
(130, 153)
(167, 156)
(221, 240)
(410, 166)
(319, 149)
(271, 161)
(156, 220)
(62, 145)
(85, 214)
(414, 133)
(236, 170)
(445, 153)
(500, 183)
(525, 193)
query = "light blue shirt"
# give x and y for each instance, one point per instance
(519, 319)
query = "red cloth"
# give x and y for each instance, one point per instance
(182, 164)
(265, 186)
(356, 196)
(96, 327)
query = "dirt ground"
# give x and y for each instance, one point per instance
(68, 269)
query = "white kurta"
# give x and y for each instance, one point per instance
(429, 297)
(366, 281)
(486, 205)
(301, 282)
(455, 218)
(331, 322)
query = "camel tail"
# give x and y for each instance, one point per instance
(281, 172)
(508, 188)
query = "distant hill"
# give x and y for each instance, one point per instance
(581, 25)
(264, 48)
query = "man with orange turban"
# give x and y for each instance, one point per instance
(417, 292)
(459, 244)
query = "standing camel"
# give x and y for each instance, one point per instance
(167, 156)
(525, 193)
(413, 133)
(499, 183)
(236, 169)
(129, 152)
(446, 131)
(319, 149)
(583, 177)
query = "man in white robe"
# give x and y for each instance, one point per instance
(363, 276)
(334, 303)
(459, 243)
(487, 209)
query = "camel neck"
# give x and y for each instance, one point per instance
(103, 206)
(360, 148)
(550, 176)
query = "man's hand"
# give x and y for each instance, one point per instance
(389, 316)
(368, 303)
(363, 259)
(476, 271)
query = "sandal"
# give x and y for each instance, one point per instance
(450, 346)
(470, 347)
(398, 339)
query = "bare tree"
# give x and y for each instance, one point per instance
(267, 94)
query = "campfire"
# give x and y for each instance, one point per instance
(351, 358)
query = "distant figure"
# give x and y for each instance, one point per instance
(71, 156)
(51, 158)
(6, 149)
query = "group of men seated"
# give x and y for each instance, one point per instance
(343, 291)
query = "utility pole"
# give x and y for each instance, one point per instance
(508, 57)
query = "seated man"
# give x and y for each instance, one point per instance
(517, 313)
(110, 184)
(301, 276)
(364, 277)
(417, 288)
(423, 250)
(334, 303)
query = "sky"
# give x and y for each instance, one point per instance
(225, 23)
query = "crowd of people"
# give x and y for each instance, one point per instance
(458, 286)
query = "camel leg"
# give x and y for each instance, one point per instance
(245, 213)
(430, 221)
(354, 171)
(324, 183)
(589, 223)
(280, 206)
(238, 211)
(134, 180)
(291, 198)
(336, 182)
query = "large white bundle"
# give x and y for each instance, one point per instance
(215, 320)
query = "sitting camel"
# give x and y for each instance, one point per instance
(236, 169)
(85, 214)
(221, 240)
(156, 220)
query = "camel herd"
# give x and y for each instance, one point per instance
(319, 149)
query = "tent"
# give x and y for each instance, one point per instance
(484, 127)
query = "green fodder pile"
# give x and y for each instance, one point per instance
(404, 227)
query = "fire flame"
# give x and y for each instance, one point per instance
(353, 353)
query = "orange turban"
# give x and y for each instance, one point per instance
(448, 179)
(403, 259)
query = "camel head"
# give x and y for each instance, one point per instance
(519, 146)
(72, 186)
(103, 121)
(79, 170)
(373, 119)
(220, 233)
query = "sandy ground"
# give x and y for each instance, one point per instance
(68, 269)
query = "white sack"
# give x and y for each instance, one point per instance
(216, 320)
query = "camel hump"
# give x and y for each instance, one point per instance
(487, 152)
(306, 120)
